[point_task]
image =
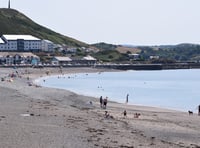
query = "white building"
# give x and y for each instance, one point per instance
(47, 46)
(61, 60)
(134, 56)
(89, 60)
(20, 43)
(154, 57)
(71, 50)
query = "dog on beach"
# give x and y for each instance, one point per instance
(190, 112)
(107, 115)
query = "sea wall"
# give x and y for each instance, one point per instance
(121, 66)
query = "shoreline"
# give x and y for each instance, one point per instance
(38, 81)
(60, 118)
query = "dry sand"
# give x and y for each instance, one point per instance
(38, 117)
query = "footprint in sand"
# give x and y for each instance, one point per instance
(2, 117)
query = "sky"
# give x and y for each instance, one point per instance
(135, 22)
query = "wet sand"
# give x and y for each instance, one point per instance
(37, 117)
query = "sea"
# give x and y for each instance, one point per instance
(171, 89)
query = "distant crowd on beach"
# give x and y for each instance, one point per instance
(103, 105)
(104, 101)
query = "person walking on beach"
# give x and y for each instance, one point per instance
(127, 98)
(101, 101)
(105, 101)
(125, 113)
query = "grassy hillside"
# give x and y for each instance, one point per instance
(110, 56)
(132, 50)
(105, 46)
(14, 22)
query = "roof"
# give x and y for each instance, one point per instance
(133, 54)
(22, 54)
(1, 41)
(89, 58)
(24, 37)
(63, 58)
(47, 41)
(28, 54)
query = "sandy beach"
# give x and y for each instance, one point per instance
(37, 117)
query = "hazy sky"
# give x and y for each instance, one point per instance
(137, 22)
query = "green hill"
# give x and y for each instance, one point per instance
(14, 22)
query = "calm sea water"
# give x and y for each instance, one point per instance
(174, 89)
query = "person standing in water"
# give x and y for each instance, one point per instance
(127, 98)
(199, 110)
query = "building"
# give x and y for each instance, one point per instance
(2, 44)
(134, 56)
(1, 41)
(61, 61)
(10, 58)
(47, 46)
(71, 50)
(154, 57)
(22, 43)
(87, 60)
